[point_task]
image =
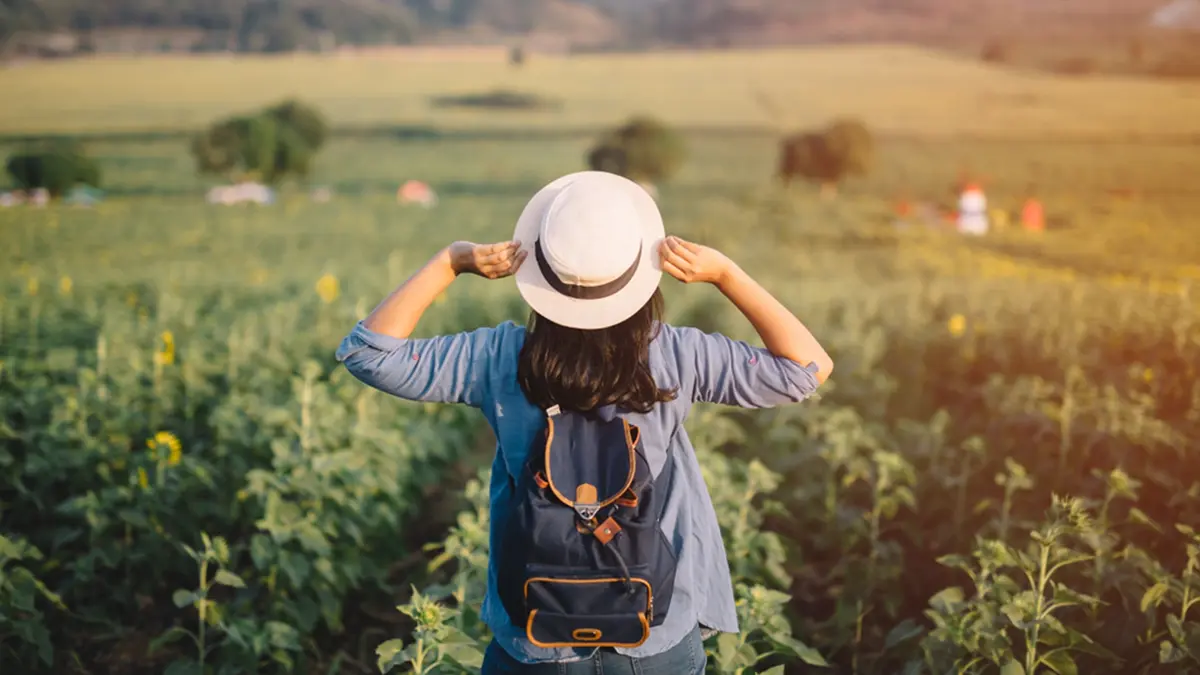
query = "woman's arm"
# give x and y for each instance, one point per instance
(398, 314)
(782, 333)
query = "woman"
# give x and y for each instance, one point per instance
(588, 254)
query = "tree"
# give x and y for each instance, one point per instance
(56, 168)
(827, 156)
(643, 149)
(277, 142)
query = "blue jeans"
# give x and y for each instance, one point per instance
(685, 658)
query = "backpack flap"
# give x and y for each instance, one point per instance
(589, 465)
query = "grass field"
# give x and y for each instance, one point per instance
(169, 404)
(895, 89)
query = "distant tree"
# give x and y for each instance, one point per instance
(56, 168)
(608, 158)
(643, 149)
(997, 51)
(516, 56)
(271, 145)
(828, 156)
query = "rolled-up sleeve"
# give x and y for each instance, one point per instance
(731, 372)
(444, 369)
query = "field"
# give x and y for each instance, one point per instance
(999, 477)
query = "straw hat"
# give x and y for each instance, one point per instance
(592, 240)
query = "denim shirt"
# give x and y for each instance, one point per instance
(479, 369)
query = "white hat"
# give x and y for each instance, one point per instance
(592, 242)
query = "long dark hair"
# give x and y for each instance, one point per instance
(582, 370)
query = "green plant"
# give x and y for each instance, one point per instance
(1014, 626)
(437, 647)
(643, 149)
(23, 633)
(279, 639)
(56, 167)
(278, 142)
(1180, 644)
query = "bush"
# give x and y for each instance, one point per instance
(56, 168)
(996, 51)
(1181, 65)
(827, 156)
(273, 144)
(516, 57)
(643, 149)
(498, 99)
(1078, 65)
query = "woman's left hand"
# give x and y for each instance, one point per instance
(490, 261)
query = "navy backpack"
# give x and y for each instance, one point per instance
(583, 561)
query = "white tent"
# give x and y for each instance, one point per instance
(1181, 15)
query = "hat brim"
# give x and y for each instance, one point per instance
(602, 312)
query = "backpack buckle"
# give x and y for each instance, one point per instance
(587, 511)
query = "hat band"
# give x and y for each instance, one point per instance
(584, 292)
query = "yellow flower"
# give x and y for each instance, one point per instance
(32, 286)
(65, 285)
(168, 441)
(259, 276)
(1148, 375)
(143, 479)
(327, 288)
(166, 355)
(957, 325)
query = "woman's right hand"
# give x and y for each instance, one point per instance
(692, 263)
(490, 261)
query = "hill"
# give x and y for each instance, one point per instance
(283, 25)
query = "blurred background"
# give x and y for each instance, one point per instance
(988, 211)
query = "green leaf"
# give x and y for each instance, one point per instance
(390, 655)
(1138, 516)
(1169, 653)
(1012, 668)
(727, 647)
(904, 631)
(1154, 595)
(807, 654)
(1060, 662)
(183, 667)
(947, 600)
(1175, 627)
(777, 670)
(221, 549)
(41, 636)
(1082, 643)
(467, 656)
(183, 598)
(282, 635)
(166, 638)
(227, 578)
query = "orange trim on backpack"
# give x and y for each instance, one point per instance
(628, 480)
(551, 645)
(540, 480)
(587, 634)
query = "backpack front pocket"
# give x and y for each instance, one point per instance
(572, 607)
(548, 630)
